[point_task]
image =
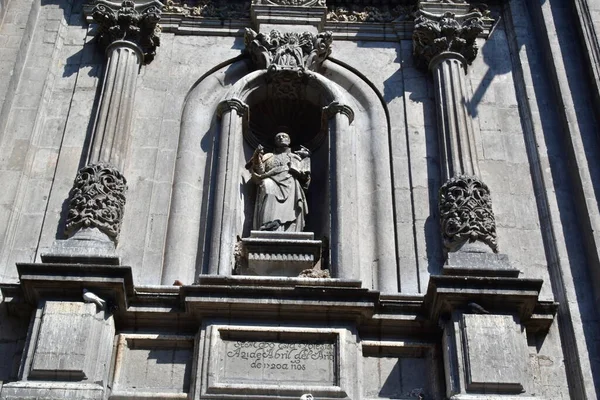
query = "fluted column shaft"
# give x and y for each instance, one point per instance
(115, 111)
(128, 32)
(445, 44)
(456, 139)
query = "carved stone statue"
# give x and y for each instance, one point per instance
(282, 177)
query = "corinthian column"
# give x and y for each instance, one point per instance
(129, 35)
(445, 44)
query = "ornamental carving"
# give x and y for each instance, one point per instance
(356, 13)
(466, 213)
(97, 200)
(131, 22)
(211, 9)
(297, 3)
(293, 51)
(435, 34)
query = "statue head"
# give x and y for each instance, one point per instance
(282, 140)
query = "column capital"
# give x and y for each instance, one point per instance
(131, 22)
(436, 34)
(338, 108)
(232, 104)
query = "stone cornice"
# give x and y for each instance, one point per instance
(383, 23)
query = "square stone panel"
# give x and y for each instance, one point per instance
(495, 353)
(153, 366)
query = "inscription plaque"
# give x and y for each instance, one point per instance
(279, 362)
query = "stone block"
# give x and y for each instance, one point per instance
(503, 342)
(87, 246)
(160, 364)
(478, 263)
(279, 253)
(70, 342)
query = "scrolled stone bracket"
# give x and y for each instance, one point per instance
(239, 106)
(466, 214)
(337, 108)
(97, 200)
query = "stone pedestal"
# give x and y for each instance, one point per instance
(278, 253)
(69, 346)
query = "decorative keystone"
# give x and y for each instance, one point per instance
(436, 34)
(288, 50)
(466, 213)
(97, 200)
(129, 22)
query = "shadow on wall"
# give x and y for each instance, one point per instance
(496, 61)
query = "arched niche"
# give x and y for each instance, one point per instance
(208, 209)
(327, 134)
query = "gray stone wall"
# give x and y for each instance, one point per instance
(536, 128)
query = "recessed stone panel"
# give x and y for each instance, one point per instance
(275, 361)
(495, 353)
(153, 366)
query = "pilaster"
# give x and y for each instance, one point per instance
(479, 301)
(445, 44)
(129, 34)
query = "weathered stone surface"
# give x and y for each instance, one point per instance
(70, 342)
(503, 341)
(543, 190)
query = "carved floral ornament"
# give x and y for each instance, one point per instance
(97, 200)
(466, 213)
(136, 23)
(297, 3)
(436, 34)
(288, 50)
(382, 14)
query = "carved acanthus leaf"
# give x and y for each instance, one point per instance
(297, 51)
(137, 23)
(355, 13)
(436, 34)
(97, 200)
(466, 213)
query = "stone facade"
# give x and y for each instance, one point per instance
(449, 192)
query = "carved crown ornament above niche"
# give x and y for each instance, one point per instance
(288, 50)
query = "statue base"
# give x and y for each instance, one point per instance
(267, 253)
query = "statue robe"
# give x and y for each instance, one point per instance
(280, 194)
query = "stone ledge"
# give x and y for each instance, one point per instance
(67, 281)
